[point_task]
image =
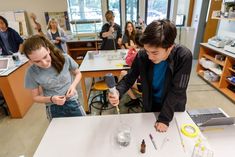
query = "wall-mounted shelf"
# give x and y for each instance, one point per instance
(85, 21)
(86, 25)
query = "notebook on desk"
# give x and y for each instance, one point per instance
(4, 64)
(210, 117)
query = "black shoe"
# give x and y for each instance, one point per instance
(133, 103)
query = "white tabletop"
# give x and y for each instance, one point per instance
(222, 140)
(13, 65)
(93, 136)
(104, 60)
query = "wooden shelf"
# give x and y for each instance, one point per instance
(208, 52)
(228, 93)
(78, 48)
(223, 18)
(215, 50)
(230, 82)
(231, 70)
(213, 59)
(215, 84)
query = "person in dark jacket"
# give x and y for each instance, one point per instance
(111, 33)
(10, 40)
(164, 69)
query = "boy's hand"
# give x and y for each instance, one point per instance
(113, 98)
(160, 127)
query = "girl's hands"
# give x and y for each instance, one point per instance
(71, 91)
(58, 100)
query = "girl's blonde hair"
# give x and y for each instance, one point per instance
(49, 23)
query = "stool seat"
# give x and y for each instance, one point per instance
(100, 86)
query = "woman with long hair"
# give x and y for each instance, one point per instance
(129, 36)
(57, 35)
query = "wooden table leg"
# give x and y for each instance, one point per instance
(84, 94)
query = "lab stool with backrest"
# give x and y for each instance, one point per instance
(102, 103)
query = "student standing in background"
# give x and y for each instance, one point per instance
(111, 33)
(10, 40)
(56, 35)
(56, 74)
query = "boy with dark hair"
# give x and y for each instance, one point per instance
(164, 69)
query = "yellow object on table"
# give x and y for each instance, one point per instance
(190, 130)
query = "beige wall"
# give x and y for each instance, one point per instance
(35, 6)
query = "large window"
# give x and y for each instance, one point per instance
(132, 10)
(114, 5)
(156, 9)
(85, 15)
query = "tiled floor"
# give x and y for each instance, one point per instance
(22, 136)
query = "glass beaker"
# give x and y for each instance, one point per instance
(90, 55)
(123, 135)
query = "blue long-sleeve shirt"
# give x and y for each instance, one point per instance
(14, 41)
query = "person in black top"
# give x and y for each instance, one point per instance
(10, 40)
(111, 33)
(164, 69)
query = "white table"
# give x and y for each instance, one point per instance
(222, 140)
(93, 136)
(13, 65)
(18, 98)
(108, 61)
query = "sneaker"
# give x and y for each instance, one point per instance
(133, 103)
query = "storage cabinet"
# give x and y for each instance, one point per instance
(77, 48)
(223, 84)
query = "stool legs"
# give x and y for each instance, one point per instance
(131, 108)
(103, 101)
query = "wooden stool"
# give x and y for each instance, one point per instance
(100, 86)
